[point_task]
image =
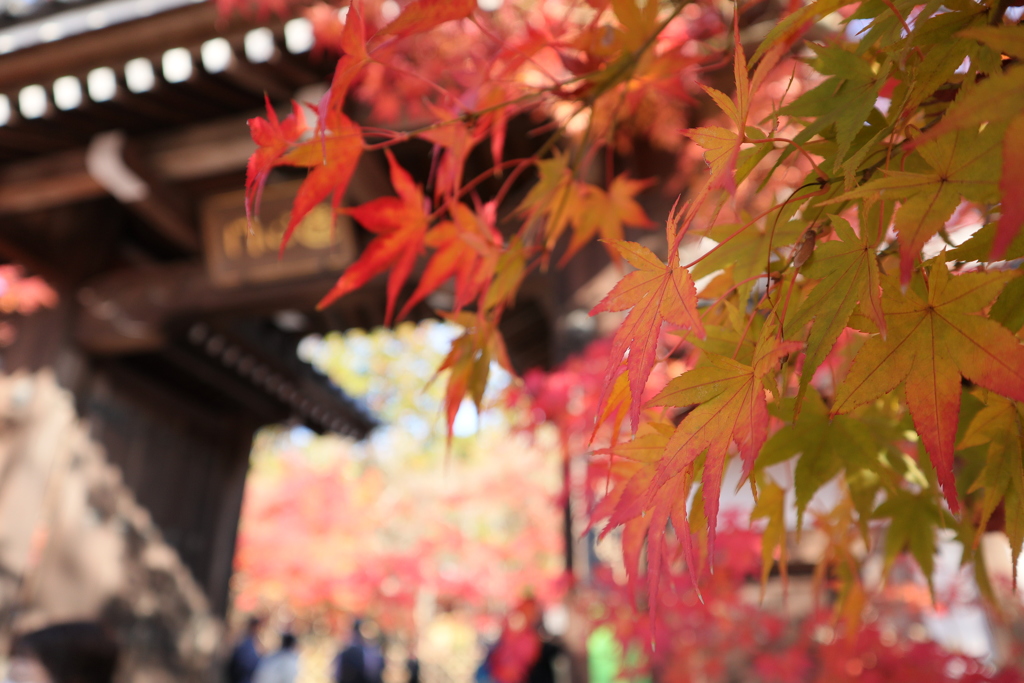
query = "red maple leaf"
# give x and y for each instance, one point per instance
(423, 15)
(467, 248)
(400, 224)
(274, 137)
(333, 158)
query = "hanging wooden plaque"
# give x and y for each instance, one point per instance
(239, 252)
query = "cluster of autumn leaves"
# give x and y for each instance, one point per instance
(860, 308)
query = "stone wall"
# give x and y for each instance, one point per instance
(75, 543)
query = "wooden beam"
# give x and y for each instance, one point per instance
(196, 152)
(128, 311)
(64, 178)
(253, 78)
(164, 209)
(201, 151)
(47, 181)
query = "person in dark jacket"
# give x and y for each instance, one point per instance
(245, 656)
(361, 661)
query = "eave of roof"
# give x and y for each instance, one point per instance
(53, 21)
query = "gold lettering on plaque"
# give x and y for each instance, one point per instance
(239, 250)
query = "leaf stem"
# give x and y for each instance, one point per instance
(821, 174)
(747, 225)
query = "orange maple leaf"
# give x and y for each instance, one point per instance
(467, 247)
(605, 213)
(932, 340)
(554, 199)
(352, 42)
(656, 292)
(613, 406)
(453, 141)
(731, 407)
(469, 361)
(508, 275)
(721, 145)
(400, 224)
(353, 35)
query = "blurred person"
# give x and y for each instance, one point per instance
(524, 652)
(448, 648)
(74, 652)
(245, 656)
(361, 661)
(281, 666)
(412, 669)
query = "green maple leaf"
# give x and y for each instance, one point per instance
(848, 270)
(771, 505)
(979, 246)
(1009, 307)
(913, 519)
(751, 251)
(998, 98)
(826, 448)
(728, 339)
(964, 164)
(844, 100)
(1006, 38)
(998, 426)
(791, 26)
(944, 52)
(886, 27)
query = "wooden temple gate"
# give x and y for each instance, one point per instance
(128, 410)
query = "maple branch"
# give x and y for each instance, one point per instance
(747, 225)
(468, 187)
(466, 117)
(373, 131)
